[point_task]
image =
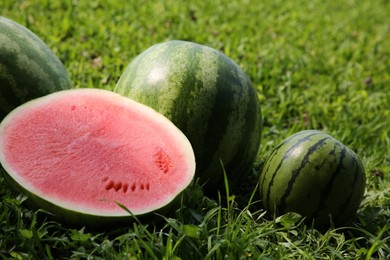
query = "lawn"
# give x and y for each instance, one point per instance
(315, 64)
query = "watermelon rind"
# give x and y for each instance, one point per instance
(28, 67)
(206, 95)
(73, 212)
(315, 175)
(76, 218)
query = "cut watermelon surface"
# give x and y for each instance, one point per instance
(86, 150)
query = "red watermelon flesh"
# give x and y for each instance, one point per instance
(86, 150)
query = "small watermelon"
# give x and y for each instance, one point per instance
(28, 68)
(83, 154)
(206, 95)
(315, 175)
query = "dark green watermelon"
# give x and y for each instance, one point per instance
(206, 95)
(28, 67)
(315, 175)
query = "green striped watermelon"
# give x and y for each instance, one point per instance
(28, 68)
(206, 95)
(315, 175)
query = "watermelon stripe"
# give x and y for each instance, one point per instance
(240, 101)
(198, 111)
(296, 172)
(272, 155)
(217, 121)
(232, 145)
(248, 135)
(176, 79)
(347, 208)
(328, 188)
(326, 158)
(285, 157)
(8, 84)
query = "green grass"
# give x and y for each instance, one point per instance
(316, 64)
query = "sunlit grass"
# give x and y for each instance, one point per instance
(316, 65)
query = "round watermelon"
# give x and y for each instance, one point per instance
(206, 95)
(91, 156)
(315, 175)
(28, 68)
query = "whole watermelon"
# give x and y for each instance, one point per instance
(28, 68)
(315, 175)
(206, 95)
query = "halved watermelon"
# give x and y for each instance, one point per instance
(81, 153)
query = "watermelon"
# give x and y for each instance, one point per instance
(315, 175)
(28, 68)
(90, 156)
(206, 95)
